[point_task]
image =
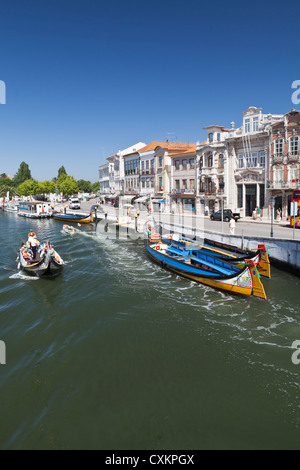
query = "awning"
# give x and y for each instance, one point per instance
(127, 197)
(142, 199)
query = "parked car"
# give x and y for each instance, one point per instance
(227, 215)
(74, 203)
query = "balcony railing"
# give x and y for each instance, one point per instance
(283, 184)
(147, 172)
(278, 157)
(293, 156)
(190, 192)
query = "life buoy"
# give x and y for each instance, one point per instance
(157, 248)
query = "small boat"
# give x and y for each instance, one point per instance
(46, 262)
(232, 254)
(207, 269)
(69, 229)
(12, 206)
(74, 218)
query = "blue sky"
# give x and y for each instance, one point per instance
(85, 78)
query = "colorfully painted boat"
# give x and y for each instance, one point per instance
(74, 218)
(46, 262)
(207, 269)
(231, 254)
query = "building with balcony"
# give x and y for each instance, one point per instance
(285, 160)
(210, 169)
(182, 181)
(104, 179)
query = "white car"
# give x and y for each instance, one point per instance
(74, 203)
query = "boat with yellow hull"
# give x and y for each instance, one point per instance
(232, 254)
(207, 269)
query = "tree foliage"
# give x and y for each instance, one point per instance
(29, 188)
(84, 186)
(23, 174)
(61, 173)
(67, 185)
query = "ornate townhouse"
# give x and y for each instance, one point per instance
(164, 185)
(285, 160)
(182, 181)
(233, 164)
(210, 170)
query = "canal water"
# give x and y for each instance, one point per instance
(117, 353)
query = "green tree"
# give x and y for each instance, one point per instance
(84, 186)
(3, 175)
(62, 173)
(96, 187)
(12, 191)
(23, 174)
(29, 188)
(47, 187)
(67, 185)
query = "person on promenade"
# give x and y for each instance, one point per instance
(278, 215)
(258, 212)
(232, 226)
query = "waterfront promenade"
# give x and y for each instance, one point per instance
(244, 227)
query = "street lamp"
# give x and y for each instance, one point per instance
(272, 203)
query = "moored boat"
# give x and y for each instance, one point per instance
(47, 261)
(12, 206)
(231, 254)
(207, 269)
(74, 218)
(35, 210)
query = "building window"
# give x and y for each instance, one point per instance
(201, 163)
(218, 137)
(255, 124)
(160, 162)
(147, 165)
(247, 126)
(221, 184)
(248, 160)
(279, 147)
(177, 183)
(241, 161)
(192, 163)
(210, 161)
(293, 173)
(184, 184)
(240, 196)
(184, 164)
(221, 161)
(152, 164)
(177, 165)
(254, 159)
(294, 145)
(143, 166)
(278, 174)
(262, 158)
(192, 185)
(210, 137)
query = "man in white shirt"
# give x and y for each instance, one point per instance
(33, 244)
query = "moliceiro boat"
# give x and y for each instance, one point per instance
(231, 254)
(47, 261)
(207, 269)
(74, 218)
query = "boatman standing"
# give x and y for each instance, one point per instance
(33, 243)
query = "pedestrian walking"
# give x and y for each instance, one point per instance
(278, 215)
(232, 226)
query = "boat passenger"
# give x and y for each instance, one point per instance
(31, 234)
